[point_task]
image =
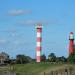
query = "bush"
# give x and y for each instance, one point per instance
(22, 59)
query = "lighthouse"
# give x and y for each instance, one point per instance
(39, 40)
(71, 43)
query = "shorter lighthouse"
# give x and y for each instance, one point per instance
(71, 43)
(39, 40)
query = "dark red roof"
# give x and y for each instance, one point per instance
(71, 32)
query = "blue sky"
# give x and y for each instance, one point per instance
(17, 26)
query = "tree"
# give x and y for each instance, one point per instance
(61, 59)
(52, 57)
(71, 58)
(21, 59)
(43, 57)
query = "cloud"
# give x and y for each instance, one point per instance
(2, 41)
(35, 22)
(18, 12)
(20, 42)
(11, 31)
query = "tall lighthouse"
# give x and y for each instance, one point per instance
(71, 43)
(39, 40)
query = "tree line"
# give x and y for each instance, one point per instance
(52, 58)
(23, 59)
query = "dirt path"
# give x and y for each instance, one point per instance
(8, 73)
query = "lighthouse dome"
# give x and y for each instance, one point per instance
(71, 35)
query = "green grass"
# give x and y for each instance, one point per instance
(35, 68)
(32, 68)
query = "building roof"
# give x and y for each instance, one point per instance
(5, 55)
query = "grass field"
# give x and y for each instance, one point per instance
(32, 68)
(35, 68)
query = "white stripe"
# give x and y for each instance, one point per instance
(38, 34)
(71, 36)
(39, 26)
(38, 44)
(38, 53)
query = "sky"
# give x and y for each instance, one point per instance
(18, 20)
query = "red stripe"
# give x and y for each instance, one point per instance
(38, 58)
(39, 39)
(71, 47)
(38, 48)
(39, 29)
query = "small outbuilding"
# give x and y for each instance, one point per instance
(4, 58)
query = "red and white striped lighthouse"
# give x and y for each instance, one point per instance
(71, 43)
(39, 40)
